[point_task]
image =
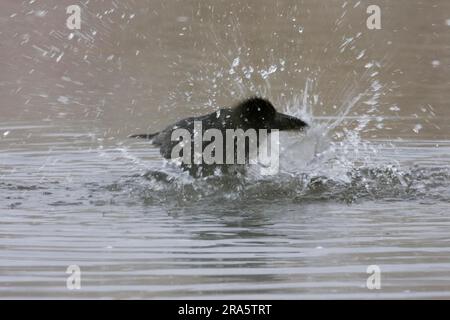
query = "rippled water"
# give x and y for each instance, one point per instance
(368, 184)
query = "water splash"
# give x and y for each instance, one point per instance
(330, 162)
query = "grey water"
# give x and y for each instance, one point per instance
(367, 185)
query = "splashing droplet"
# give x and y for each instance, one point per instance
(417, 128)
(435, 63)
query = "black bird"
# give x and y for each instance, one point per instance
(253, 113)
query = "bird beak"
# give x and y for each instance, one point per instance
(284, 122)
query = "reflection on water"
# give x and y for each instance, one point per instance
(367, 185)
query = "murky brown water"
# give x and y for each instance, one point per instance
(368, 185)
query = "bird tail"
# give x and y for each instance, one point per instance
(147, 136)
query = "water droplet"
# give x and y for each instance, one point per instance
(63, 99)
(361, 54)
(182, 19)
(436, 63)
(265, 73)
(417, 128)
(40, 13)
